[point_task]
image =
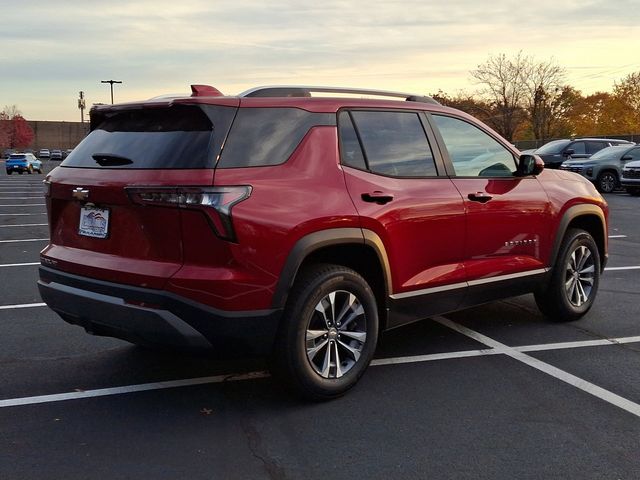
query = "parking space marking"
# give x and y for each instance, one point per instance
(555, 372)
(14, 402)
(24, 205)
(617, 236)
(21, 214)
(19, 198)
(22, 305)
(25, 240)
(18, 264)
(621, 268)
(25, 225)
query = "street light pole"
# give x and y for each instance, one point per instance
(111, 82)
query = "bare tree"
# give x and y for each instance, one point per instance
(544, 82)
(503, 82)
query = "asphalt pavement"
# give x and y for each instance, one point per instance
(493, 392)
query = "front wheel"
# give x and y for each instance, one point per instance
(607, 182)
(328, 333)
(574, 280)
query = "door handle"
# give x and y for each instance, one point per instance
(377, 197)
(481, 197)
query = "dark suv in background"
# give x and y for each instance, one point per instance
(301, 227)
(557, 151)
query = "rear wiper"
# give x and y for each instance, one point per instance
(110, 160)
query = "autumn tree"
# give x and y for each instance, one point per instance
(601, 113)
(15, 132)
(628, 93)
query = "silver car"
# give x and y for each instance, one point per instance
(604, 168)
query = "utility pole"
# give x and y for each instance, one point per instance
(81, 106)
(111, 82)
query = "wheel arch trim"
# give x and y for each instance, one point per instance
(571, 214)
(315, 241)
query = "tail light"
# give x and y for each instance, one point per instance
(46, 187)
(215, 202)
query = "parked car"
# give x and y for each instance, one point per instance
(630, 178)
(44, 153)
(7, 152)
(56, 155)
(65, 153)
(23, 162)
(557, 151)
(300, 227)
(604, 168)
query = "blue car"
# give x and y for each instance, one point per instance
(23, 162)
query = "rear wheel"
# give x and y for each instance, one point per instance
(328, 332)
(9, 172)
(607, 182)
(574, 280)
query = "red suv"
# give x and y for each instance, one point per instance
(301, 226)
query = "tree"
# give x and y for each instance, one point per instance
(599, 114)
(628, 92)
(15, 132)
(544, 89)
(503, 82)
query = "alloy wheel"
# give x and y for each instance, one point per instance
(580, 276)
(336, 334)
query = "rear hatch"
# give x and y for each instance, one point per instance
(16, 161)
(112, 202)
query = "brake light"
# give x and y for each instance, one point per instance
(215, 202)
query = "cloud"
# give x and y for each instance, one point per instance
(55, 48)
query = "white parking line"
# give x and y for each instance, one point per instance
(621, 268)
(14, 402)
(25, 225)
(24, 305)
(24, 205)
(555, 372)
(19, 198)
(25, 240)
(617, 236)
(18, 264)
(21, 214)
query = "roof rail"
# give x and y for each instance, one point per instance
(305, 91)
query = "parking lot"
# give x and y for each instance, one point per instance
(491, 392)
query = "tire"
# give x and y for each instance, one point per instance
(570, 291)
(30, 170)
(320, 355)
(607, 182)
(633, 191)
(9, 172)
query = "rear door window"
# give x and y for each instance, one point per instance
(578, 148)
(393, 143)
(178, 137)
(593, 147)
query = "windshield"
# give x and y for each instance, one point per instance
(608, 152)
(164, 138)
(552, 147)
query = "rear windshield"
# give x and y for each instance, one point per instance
(17, 157)
(178, 137)
(552, 147)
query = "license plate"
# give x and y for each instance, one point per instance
(94, 222)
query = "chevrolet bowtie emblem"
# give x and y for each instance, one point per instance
(80, 193)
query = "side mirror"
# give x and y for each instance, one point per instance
(626, 157)
(529, 164)
(568, 152)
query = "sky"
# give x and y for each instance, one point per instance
(52, 49)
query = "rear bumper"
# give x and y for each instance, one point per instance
(155, 317)
(630, 182)
(17, 168)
